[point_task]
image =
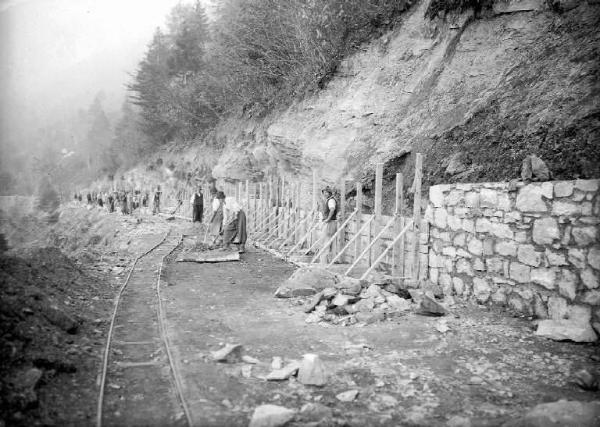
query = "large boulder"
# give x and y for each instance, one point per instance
(566, 330)
(563, 413)
(307, 281)
(312, 371)
(534, 169)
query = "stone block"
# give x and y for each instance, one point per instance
(594, 257)
(458, 284)
(557, 308)
(504, 202)
(561, 330)
(528, 255)
(445, 236)
(586, 208)
(555, 258)
(545, 277)
(481, 289)
(591, 297)
(561, 208)
(446, 283)
(464, 267)
(520, 272)
(499, 297)
(512, 217)
(589, 278)
(494, 265)
(482, 225)
(488, 198)
(506, 248)
(436, 196)
(521, 236)
(539, 307)
(434, 275)
(461, 212)
(461, 253)
(478, 265)
(580, 313)
(459, 239)
(468, 225)
(584, 236)
(449, 251)
(472, 199)
(567, 284)
(454, 198)
(454, 222)
(590, 185)
(448, 264)
(516, 303)
(563, 188)
(475, 246)
(500, 230)
(488, 246)
(440, 216)
(576, 257)
(545, 230)
(578, 196)
(529, 199)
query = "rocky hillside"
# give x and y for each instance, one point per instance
(479, 90)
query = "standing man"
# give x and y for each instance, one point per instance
(156, 201)
(330, 210)
(197, 202)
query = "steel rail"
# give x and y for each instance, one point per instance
(162, 323)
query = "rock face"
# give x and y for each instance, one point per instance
(534, 169)
(271, 416)
(563, 413)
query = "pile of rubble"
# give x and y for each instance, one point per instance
(341, 300)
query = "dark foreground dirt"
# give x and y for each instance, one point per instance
(488, 368)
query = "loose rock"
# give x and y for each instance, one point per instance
(312, 371)
(271, 416)
(566, 329)
(284, 373)
(347, 396)
(231, 353)
(430, 307)
(560, 414)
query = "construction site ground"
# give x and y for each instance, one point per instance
(486, 369)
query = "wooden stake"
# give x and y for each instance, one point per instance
(396, 251)
(417, 216)
(358, 222)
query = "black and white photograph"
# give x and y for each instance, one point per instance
(300, 213)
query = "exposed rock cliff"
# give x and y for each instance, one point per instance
(478, 91)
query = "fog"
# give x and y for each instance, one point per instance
(57, 55)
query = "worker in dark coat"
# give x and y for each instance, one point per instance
(197, 202)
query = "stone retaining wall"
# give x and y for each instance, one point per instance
(534, 247)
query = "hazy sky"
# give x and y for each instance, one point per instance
(57, 54)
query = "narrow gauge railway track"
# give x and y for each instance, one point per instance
(140, 383)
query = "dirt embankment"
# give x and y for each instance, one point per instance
(57, 283)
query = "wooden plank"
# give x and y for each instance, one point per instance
(368, 248)
(332, 238)
(314, 200)
(342, 212)
(359, 218)
(378, 260)
(417, 216)
(378, 190)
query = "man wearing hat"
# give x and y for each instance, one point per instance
(330, 210)
(216, 220)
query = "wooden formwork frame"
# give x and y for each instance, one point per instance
(339, 231)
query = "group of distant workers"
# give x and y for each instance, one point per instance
(227, 224)
(126, 202)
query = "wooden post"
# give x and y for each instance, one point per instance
(314, 200)
(396, 265)
(342, 214)
(358, 222)
(298, 211)
(377, 208)
(417, 217)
